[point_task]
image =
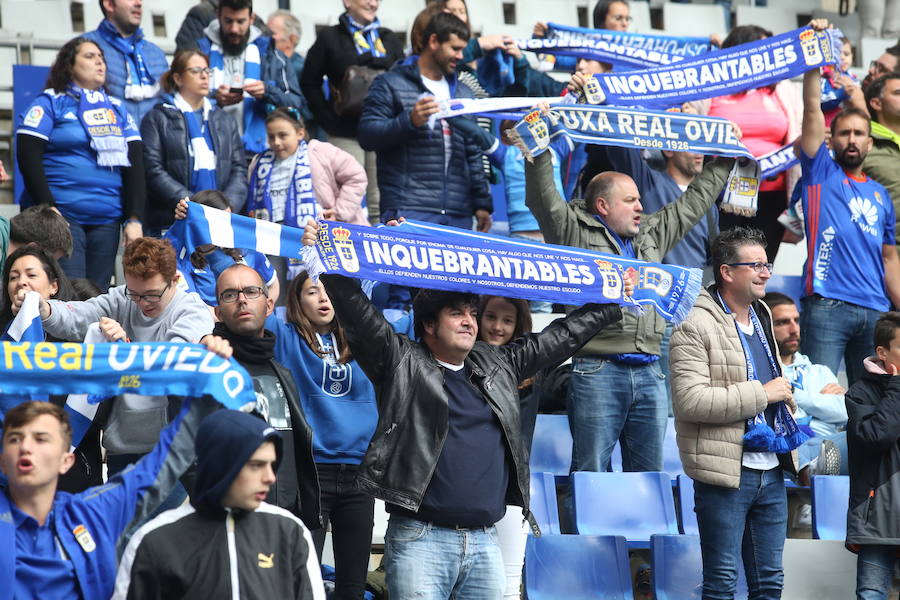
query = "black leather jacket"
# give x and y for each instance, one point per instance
(412, 404)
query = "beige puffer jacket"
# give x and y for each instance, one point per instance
(711, 396)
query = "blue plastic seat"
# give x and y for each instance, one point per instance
(830, 501)
(633, 505)
(687, 522)
(577, 567)
(551, 450)
(678, 568)
(543, 502)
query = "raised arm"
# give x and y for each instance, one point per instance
(812, 133)
(558, 221)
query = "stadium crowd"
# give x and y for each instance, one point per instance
(427, 399)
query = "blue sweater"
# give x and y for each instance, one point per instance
(338, 400)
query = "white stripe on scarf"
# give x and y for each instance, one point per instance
(203, 155)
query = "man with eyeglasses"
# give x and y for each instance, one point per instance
(150, 307)
(884, 64)
(243, 306)
(852, 271)
(726, 382)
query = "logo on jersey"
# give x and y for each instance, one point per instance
(83, 536)
(864, 214)
(266, 561)
(100, 116)
(823, 256)
(337, 378)
(34, 116)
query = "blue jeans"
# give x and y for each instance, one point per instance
(610, 402)
(94, 249)
(834, 329)
(874, 570)
(750, 523)
(428, 562)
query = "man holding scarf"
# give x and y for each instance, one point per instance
(735, 431)
(249, 72)
(133, 64)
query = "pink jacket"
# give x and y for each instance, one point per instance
(338, 181)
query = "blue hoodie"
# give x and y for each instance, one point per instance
(338, 400)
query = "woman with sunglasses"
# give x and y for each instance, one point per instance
(189, 144)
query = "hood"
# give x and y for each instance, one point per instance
(874, 365)
(226, 440)
(212, 32)
(800, 360)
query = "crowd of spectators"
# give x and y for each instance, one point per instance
(433, 412)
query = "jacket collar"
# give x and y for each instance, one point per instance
(213, 32)
(587, 218)
(880, 132)
(409, 68)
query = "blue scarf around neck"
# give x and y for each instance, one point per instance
(365, 37)
(300, 201)
(102, 125)
(140, 83)
(200, 144)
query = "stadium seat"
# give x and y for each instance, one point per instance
(543, 502)
(678, 568)
(687, 518)
(830, 501)
(776, 20)
(693, 19)
(551, 450)
(634, 505)
(577, 567)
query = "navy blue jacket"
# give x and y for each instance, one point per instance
(117, 73)
(411, 159)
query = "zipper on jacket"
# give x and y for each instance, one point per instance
(232, 556)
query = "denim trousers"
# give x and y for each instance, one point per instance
(750, 523)
(94, 249)
(610, 402)
(352, 516)
(874, 571)
(834, 329)
(424, 561)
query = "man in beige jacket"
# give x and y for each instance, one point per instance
(726, 379)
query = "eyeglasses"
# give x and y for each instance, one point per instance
(251, 292)
(197, 71)
(623, 18)
(878, 67)
(148, 298)
(756, 266)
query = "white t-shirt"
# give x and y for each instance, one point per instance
(441, 91)
(279, 181)
(761, 461)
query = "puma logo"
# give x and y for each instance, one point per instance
(266, 561)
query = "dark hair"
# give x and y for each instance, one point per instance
(744, 34)
(416, 41)
(54, 273)
(287, 113)
(179, 64)
(26, 412)
(851, 111)
(876, 90)
(428, 304)
(61, 72)
(601, 9)
(599, 186)
(443, 25)
(213, 199)
(298, 319)
(44, 226)
(235, 5)
(773, 299)
(885, 328)
(84, 288)
(523, 314)
(727, 245)
(893, 50)
(147, 256)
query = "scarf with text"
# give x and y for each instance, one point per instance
(102, 125)
(139, 84)
(300, 199)
(203, 159)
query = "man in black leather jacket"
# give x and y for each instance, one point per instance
(447, 455)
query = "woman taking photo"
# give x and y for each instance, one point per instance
(189, 145)
(78, 149)
(339, 403)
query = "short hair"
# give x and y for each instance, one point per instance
(235, 5)
(885, 328)
(876, 90)
(727, 245)
(236, 265)
(598, 187)
(744, 34)
(179, 64)
(417, 42)
(851, 111)
(443, 25)
(428, 304)
(894, 50)
(44, 226)
(145, 257)
(60, 76)
(601, 9)
(291, 23)
(55, 274)
(773, 299)
(26, 412)
(523, 314)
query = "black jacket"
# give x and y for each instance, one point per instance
(412, 403)
(330, 55)
(873, 432)
(168, 163)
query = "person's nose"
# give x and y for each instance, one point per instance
(269, 476)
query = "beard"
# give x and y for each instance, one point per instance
(850, 161)
(232, 48)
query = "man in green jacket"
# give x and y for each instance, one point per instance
(623, 359)
(883, 160)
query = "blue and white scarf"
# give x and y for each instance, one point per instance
(785, 435)
(140, 84)
(778, 160)
(252, 72)
(721, 73)
(668, 45)
(203, 158)
(300, 201)
(365, 37)
(101, 122)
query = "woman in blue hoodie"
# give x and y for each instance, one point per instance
(339, 403)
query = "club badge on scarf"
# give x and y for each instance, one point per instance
(446, 258)
(102, 125)
(721, 73)
(455, 107)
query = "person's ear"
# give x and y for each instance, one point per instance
(881, 353)
(601, 206)
(270, 305)
(216, 311)
(429, 328)
(67, 461)
(725, 273)
(876, 104)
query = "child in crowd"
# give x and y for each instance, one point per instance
(838, 85)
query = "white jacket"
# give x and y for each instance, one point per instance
(826, 411)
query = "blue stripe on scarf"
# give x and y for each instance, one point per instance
(141, 83)
(203, 158)
(665, 44)
(778, 160)
(300, 200)
(101, 122)
(365, 37)
(254, 112)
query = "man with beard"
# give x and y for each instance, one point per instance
(249, 72)
(852, 267)
(883, 104)
(884, 64)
